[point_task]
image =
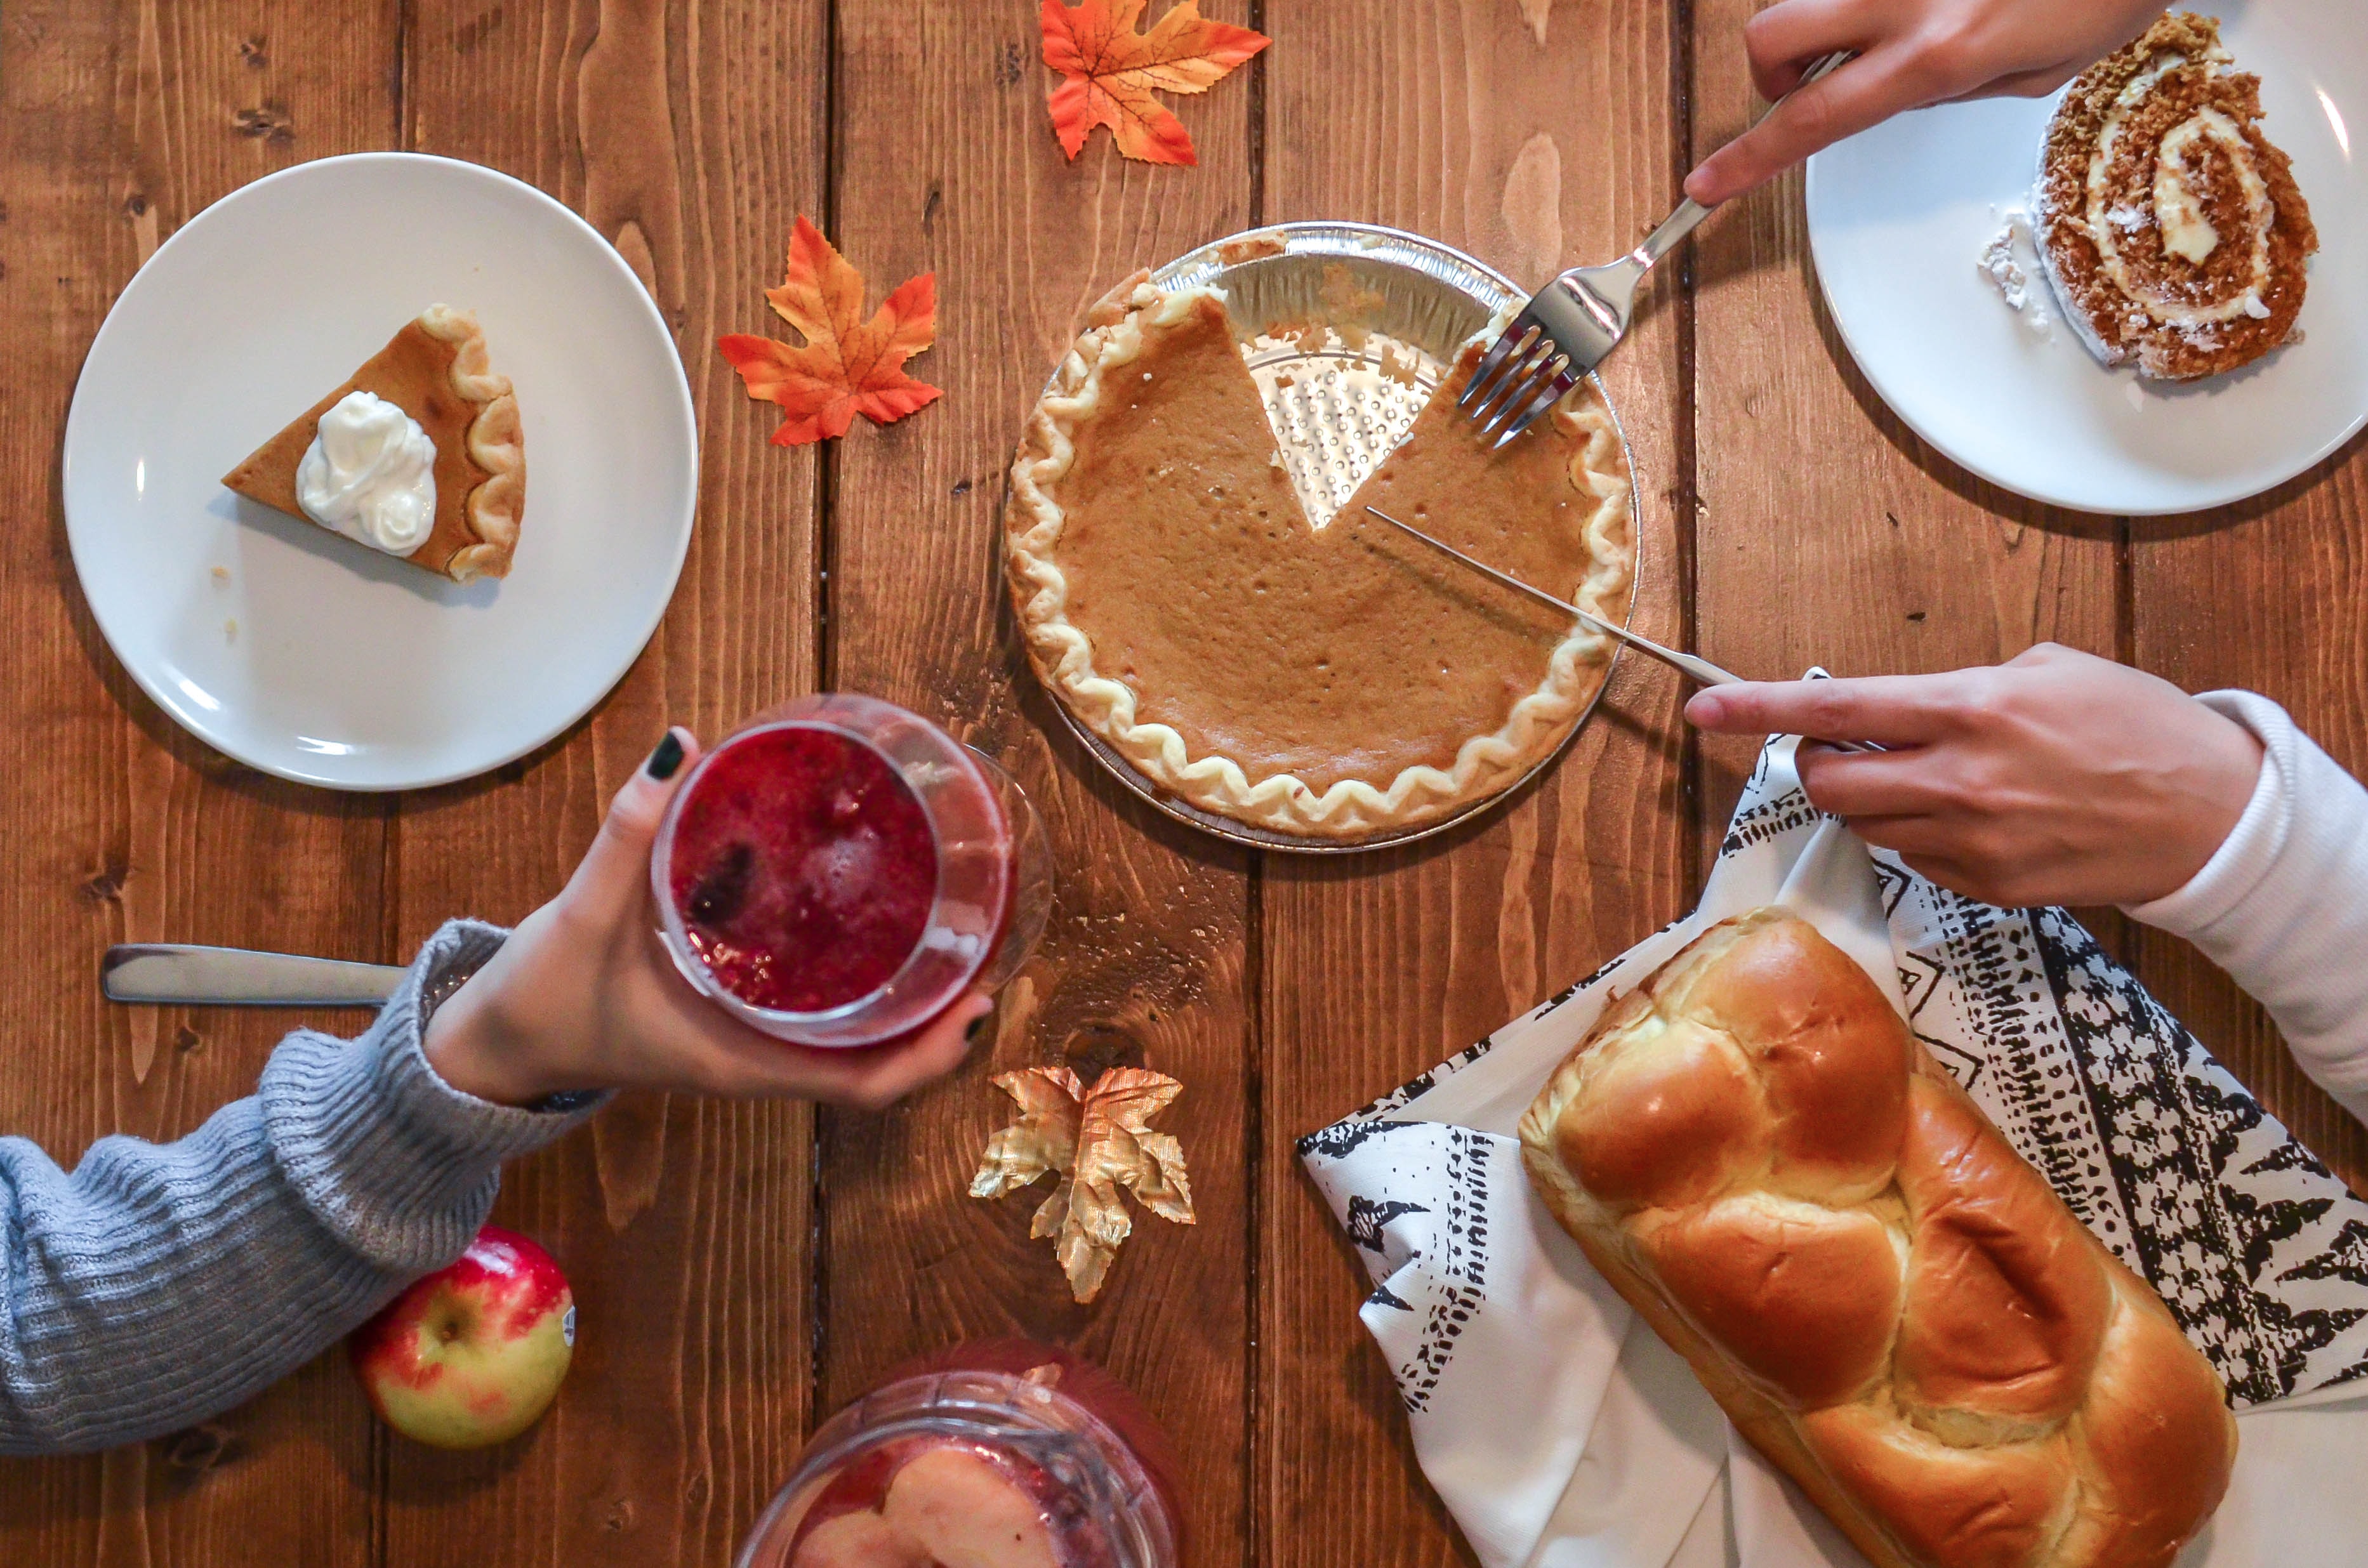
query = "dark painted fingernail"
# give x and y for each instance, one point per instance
(667, 757)
(977, 1031)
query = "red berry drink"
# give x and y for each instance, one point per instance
(1003, 1454)
(804, 870)
(840, 873)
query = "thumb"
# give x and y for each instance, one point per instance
(616, 868)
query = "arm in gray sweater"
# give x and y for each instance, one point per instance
(158, 1284)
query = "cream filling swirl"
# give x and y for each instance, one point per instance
(2178, 213)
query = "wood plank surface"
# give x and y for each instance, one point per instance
(946, 160)
(1534, 137)
(744, 1271)
(688, 141)
(117, 124)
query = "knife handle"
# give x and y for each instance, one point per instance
(183, 975)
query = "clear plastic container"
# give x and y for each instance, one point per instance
(841, 805)
(1001, 1454)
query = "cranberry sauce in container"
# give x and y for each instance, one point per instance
(1000, 1454)
(840, 873)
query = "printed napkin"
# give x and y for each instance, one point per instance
(1563, 1434)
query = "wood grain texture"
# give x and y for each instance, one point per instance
(1826, 532)
(1807, 524)
(2272, 596)
(689, 140)
(1534, 148)
(947, 161)
(117, 123)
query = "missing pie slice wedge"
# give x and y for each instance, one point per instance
(436, 372)
(1335, 683)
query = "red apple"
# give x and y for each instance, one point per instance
(472, 1354)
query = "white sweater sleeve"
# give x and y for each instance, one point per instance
(2282, 905)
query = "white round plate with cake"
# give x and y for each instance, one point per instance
(380, 473)
(2101, 300)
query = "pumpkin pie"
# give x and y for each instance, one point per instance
(1336, 682)
(438, 372)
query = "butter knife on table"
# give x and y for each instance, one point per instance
(179, 974)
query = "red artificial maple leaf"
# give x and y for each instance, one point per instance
(1109, 72)
(847, 366)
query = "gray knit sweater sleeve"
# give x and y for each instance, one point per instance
(158, 1284)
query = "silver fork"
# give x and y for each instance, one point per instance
(1572, 323)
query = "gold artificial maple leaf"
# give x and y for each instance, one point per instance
(1096, 1141)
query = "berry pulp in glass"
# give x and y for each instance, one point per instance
(803, 868)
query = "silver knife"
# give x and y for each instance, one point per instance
(1700, 670)
(237, 977)
(1695, 668)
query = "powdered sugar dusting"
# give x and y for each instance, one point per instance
(2002, 261)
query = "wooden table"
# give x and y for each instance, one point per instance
(745, 1270)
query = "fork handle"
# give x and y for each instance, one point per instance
(1690, 213)
(1674, 227)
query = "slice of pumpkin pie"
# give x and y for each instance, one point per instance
(1336, 682)
(419, 455)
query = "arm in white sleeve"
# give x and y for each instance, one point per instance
(2283, 904)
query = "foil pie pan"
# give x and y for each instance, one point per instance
(1340, 402)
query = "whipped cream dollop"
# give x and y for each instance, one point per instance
(371, 475)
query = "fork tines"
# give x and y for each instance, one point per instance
(1521, 376)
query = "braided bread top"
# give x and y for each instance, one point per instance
(1886, 1298)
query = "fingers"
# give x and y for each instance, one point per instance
(1889, 710)
(1864, 92)
(928, 1056)
(2033, 84)
(1854, 784)
(616, 868)
(870, 1079)
(1783, 39)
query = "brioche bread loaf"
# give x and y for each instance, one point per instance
(1886, 1298)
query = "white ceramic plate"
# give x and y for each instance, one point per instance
(309, 657)
(1898, 216)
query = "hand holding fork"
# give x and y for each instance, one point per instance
(1572, 323)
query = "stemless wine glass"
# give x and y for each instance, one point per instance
(993, 881)
(1001, 1452)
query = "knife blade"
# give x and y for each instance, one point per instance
(184, 975)
(1693, 667)
(1699, 670)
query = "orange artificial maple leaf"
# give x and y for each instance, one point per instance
(847, 366)
(1109, 72)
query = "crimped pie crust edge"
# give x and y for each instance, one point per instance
(1352, 808)
(497, 444)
